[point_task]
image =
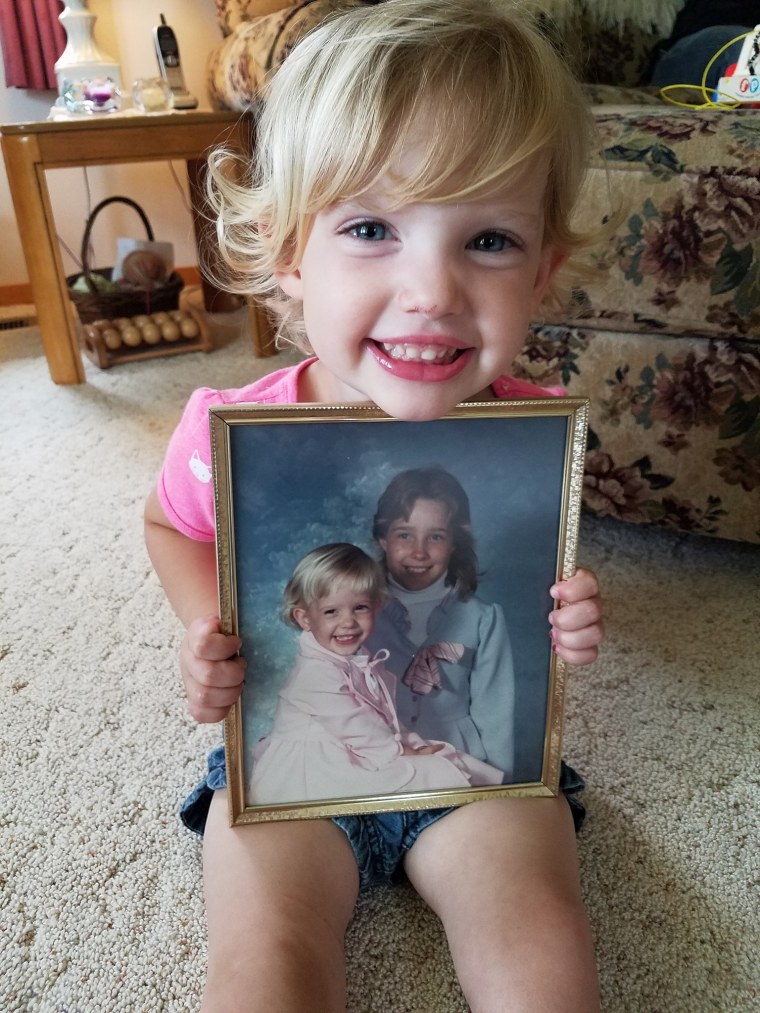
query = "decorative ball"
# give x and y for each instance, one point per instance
(170, 331)
(151, 333)
(111, 338)
(162, 317)
(131, 336)
(188, 328)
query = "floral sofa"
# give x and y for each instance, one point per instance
(665, 340)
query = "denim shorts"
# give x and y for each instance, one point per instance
(379, 840)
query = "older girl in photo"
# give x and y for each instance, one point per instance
(449, 649)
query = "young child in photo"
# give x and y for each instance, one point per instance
(417, 165)
(335, 731)
(449, 650)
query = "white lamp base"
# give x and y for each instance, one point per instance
(82, 59)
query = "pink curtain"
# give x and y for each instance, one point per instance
(32, 38)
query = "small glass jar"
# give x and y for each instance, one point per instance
(152, 95)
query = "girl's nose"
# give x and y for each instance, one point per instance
(431, 288)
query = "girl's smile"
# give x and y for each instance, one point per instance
(418, 548)
(423, 361)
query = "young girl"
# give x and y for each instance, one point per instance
(417, 165)
(336, 732)
(467, 696)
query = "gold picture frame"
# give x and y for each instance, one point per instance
(290, 478)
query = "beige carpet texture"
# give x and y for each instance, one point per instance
(101, 903)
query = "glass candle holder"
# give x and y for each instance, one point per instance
(152, 95)
(94, 95)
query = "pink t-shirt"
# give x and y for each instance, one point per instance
(185, 489)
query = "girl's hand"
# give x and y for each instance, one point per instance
(577, 627)
(212, 671)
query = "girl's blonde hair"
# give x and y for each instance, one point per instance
(317, 573)
(490, 91)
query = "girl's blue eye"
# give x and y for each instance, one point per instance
(490, 242)
(371, 231)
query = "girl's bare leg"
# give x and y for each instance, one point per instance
(279, 897)
(502, 875)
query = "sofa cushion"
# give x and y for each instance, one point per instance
(674, 424)
(685, 255)
(254, 46)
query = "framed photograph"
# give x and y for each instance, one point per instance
(390, 582)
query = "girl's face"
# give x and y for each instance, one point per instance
(420, 307)
(417, 549)
(341, 621)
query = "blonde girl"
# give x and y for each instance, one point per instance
(410, 202)
(336, 732)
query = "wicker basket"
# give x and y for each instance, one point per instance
(130, 302)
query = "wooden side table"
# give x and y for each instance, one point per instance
(29, 149)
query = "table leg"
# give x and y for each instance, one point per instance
(34, 215)
(262, 333)
(216, 299)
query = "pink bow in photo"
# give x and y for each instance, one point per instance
(424, 673)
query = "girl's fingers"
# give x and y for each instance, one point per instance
(210, 693)
(214, 674)
(584, 614)
(583, 584)
(578, 639)
(204, 640)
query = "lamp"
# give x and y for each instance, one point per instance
(81, 59)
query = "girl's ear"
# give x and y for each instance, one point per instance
(551, 261)
(290, 282)
(302, 619)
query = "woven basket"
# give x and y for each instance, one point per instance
(129, 302)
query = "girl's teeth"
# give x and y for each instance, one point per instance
(425, 353)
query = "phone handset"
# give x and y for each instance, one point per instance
(167, 53)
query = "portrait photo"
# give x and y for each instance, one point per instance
(390, 583)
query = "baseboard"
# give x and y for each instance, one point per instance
(21, 295)
(15, 295)
(17, 315)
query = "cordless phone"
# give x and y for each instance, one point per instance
(167, 52)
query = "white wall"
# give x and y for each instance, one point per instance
(123, 31)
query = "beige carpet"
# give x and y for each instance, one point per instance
(100, 904)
